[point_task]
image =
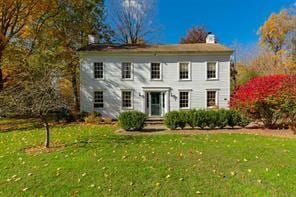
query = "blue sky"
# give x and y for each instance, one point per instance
(231, 20)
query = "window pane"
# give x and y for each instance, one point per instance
(155, 70)
(184, 71)
(211, 98)
(99, 70)
(184, 99)
(211, 70)
(126, 69)
(126, 99)
(98, 99)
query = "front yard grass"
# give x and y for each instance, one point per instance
(95, 161)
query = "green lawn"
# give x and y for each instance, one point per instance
(98, 162)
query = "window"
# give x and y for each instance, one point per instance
(155, 71)
(184, 72)
(126, 70)
(184, 100)
(99, 70)
(126, 99)
(212, 70)
(211, 99)
(98, 99)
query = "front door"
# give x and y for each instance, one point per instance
(156, 109)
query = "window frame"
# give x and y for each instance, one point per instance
(189, 71)
(100, 102)
(132, 99)
(132, 71)
(189, 99)
(216, 98)
(216, 71)
(94, 71)
(160, 71)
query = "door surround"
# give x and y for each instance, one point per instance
(164, 100)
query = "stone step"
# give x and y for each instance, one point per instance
(154, 121)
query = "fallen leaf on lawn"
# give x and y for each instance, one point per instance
(168, 176)
(25, 189)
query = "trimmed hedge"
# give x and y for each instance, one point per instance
(132, 120)
(205, 119)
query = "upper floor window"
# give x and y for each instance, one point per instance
(155, 71)
(98, 99)
(99, 70)
(126, 70)
(212, 70)
(184, 71)
(126, 99)
(184, 100)
(211, 98)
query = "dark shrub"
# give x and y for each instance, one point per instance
(201, 118)
(183, 119)
(222, 118)
(172, 119)
(62, 114)
(82, 115)
(244, 121)
(132, 120)
(233, 118)
(212, 117)
(192, 118)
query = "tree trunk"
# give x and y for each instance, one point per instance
(75, 87)
(1, 73)
(1, 79)
(47, 136)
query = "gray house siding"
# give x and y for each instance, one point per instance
(112, 84)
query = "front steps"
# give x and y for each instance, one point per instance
(154, 121)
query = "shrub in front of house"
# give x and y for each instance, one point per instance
(222, 118)
(183, 119)
(205, 118)
(132, 120)
(171, 119)
(269, 99)
(192, 118)
(201, 118)
(236, 118)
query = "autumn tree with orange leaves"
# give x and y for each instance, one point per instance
(15, 16)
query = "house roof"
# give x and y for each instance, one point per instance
(170, 48)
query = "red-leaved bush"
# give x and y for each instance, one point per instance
(268, 98)
(256, 90)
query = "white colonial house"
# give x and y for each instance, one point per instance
(154, 79)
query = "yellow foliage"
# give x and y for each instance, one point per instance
(273, 32)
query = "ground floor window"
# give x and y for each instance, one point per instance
(98, 99)
(126, 99)
(211, 98)
(184, 100)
